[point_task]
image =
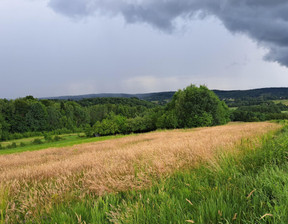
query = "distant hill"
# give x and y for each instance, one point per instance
(164, 97)
(159, 97)
(265, 93)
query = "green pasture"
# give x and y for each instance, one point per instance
(66, 140)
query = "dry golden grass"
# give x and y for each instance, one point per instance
(36, 180)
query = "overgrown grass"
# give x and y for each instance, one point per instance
(250, 186)
(3, 203)
(67, 140)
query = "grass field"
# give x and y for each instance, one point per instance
(285, 102)
(66, 140)
(30, 140)
(199, 175)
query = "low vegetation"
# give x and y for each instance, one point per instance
(38, 143)
(247, 187)
(96, 182)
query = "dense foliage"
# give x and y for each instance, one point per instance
(262, 112)
(26, 117)
(190, 107)
(264, 93)
(196, 107)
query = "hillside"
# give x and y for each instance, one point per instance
(266, 93)
(159, 97)
(163, 97)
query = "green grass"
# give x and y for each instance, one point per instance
(3, 203)
(31, 139)
(285, 102)
(251, 187)
(18, 141)
(68, 140)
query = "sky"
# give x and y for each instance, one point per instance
(60, 47)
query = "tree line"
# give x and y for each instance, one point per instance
(26, 117)
(190, 107)
(261, 112)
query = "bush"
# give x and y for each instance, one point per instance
(57, 138)
(37, 141)
(47, 137)
(12, 145)
(16, 136)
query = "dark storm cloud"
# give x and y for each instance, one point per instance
(265, 21)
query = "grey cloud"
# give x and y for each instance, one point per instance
(265, 21)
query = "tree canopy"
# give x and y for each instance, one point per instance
(190, 107)
(196, 107)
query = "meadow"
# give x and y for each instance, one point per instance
(27, 144)
(149, 178)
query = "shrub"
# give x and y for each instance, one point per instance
(47, 137)
(22, 144)
(11, 146)
(37, 141)
(57, 138)
(16, 136)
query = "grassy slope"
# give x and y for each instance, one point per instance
(249, 188)
(68, 140)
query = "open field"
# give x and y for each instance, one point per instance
(33, 183)
(66, 140)
(31, 139)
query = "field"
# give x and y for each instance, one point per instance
(285, 102)
(65, 140)
(59, 185)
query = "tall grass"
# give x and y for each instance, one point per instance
(3, 203)
(163, 177)
(251, 187)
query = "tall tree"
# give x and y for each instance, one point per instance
(197, 106)
(37, 117)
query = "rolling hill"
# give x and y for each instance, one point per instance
(164, 97)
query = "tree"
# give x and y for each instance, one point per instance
(88, 130)
(168, 120)
(195, 107)
(53, 118)
(1, 121)
(113, 124)
(36, 118)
